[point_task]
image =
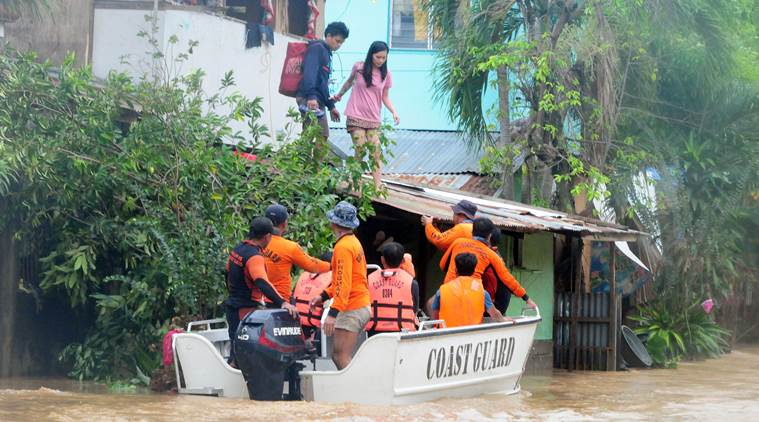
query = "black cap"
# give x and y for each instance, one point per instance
(465, 207)
(277, 214)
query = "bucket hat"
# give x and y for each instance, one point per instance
(343, 215)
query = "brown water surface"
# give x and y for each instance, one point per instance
(725, 389)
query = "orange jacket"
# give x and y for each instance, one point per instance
(408, 265)
(486, 257)
(310, 285)
(349, 287)
(392, 301)
(280, 256)
(443, 240)
(462, 302)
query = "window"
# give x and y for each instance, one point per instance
(298, 13)
(410, 26)
(246, 10)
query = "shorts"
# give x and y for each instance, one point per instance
(352, 123)
(354, 320)
(322, 121)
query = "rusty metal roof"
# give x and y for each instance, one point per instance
(471, 183)
(507, 215)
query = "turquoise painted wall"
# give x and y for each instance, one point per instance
(536, 276)
(412, 92)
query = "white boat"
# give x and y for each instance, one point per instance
(388, 368)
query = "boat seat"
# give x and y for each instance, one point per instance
(205, 371)
(218, 336)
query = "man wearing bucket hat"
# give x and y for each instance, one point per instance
(280, 254)
(349, 311)
(463, 214)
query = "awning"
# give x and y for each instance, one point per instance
(507, 215)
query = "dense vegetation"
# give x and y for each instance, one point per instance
(128, 194)
(606, 98)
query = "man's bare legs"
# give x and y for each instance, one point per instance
(344, 343)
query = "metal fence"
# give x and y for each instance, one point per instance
(583, 332)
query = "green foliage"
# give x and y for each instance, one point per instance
(673, 335)
(127, 191)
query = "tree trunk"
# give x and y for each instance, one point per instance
(504, 139)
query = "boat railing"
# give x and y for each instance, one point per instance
(431, 324)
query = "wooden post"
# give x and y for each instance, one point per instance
(613, 310)
(421, 266)
(574, 304)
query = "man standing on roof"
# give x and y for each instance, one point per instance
(479, 245)
(247, 282)
(349, 311)
(313, 92)
(462, 301)
(280, 254)
(463, 214)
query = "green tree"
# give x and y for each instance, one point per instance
(132, 199)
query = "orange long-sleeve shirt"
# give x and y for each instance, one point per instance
(444, 240)
(486, 257)
(349, 289)
(280, 256)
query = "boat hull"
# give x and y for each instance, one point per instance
(427, 365)
(390, 368)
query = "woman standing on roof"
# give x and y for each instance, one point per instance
(371, 82)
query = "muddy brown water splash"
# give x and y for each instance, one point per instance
(725, 389)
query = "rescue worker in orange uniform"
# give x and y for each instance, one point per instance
(280, 254)
(394, 294)
(479, 245)
(349, 311)
(247, 282)
(463, 214)
(463, 300)
(310, 285)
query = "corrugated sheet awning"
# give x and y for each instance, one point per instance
(505, 214)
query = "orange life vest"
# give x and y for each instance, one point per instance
(392, 306)
(462, 302)
(310, 285)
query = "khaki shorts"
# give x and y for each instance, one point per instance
(353, 321)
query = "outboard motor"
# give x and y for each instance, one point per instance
(267, 346)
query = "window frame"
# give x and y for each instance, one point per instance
(430, 41)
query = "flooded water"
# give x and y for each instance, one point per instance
(717, 390)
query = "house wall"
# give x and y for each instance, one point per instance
(536, 276)
(413, 78)
(221, 48)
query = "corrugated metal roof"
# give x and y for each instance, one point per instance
(466, 182)
(419, 152)
(505, 214)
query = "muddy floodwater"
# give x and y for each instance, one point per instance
(725, 389)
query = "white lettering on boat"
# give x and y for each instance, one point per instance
(485, 356)
(287, 331)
